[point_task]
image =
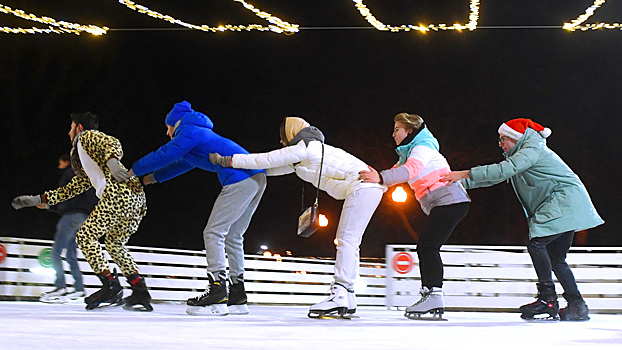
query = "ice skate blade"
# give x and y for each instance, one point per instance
(333, 316)
(565, 319)
(104, 305)
(540, 319)
(338, 312)
(52, 300)
(208, 310)
(435, 315)
(138, 307)
(238, 309)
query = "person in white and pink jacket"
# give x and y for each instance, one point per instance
(302, 154)
(421, 165)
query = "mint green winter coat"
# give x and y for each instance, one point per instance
(553, 197)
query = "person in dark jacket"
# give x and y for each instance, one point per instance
(72, 213)
(192, 140)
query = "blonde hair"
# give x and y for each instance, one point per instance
(413, 121)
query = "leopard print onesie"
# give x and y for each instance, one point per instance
(120, 209)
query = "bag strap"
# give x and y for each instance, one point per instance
(317, 192)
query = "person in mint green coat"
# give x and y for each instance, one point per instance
(555, 202)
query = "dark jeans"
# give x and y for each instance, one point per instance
(549, 254)
(436, 231)
(65, 239)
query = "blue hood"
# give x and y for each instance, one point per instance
(184, 112)
(423, 138)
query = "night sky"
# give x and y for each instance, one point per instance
(347, 82)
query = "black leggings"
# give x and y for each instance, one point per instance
(436, 231)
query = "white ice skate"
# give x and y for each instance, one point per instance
(55, 296)
(337, 304)
(351, 302)
(75, 296)
(431, 302)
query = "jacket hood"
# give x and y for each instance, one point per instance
(183, 114)
(530, 137)
(423, 138)
(308, 134)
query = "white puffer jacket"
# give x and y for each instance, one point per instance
(340, 171)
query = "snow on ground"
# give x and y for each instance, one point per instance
(34, 325)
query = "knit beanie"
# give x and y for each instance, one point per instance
(515, 128)
(292, 127)
(178, 111)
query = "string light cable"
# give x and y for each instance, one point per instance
(277, 25)
(55, 27)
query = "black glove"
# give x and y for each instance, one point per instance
(117, 172)
(25, 201)
(224, 161)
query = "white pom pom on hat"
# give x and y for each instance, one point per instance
(515, 128)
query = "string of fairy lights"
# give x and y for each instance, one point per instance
(279, 26)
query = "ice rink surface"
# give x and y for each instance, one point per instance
(34, 325)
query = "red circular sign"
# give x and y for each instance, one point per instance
(2, 253)
(403, 262)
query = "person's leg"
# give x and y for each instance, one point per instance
(438, 227)
(61, 241)
(115, 240)
(357, 211)
(227, 210)
(577, 309)
(234, 240)
(87, 238)
(76, 221)
(557, 250)
(537, 248)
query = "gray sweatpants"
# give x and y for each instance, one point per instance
(231, 214)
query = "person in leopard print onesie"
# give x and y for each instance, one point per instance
(95, 158)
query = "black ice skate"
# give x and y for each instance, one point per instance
(576, 310)
(431, 302)
(140, 300)
(213, 302)
(237, 297)
(546, 304)
(110, 294)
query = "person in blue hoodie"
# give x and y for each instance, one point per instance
(192, 140)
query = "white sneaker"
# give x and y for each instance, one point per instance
(54, 296)
(336, 303)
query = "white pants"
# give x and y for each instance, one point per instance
(357, 210)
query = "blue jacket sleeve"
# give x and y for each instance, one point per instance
(172, 170)
(172, 151)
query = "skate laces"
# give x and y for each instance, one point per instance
(425, 294)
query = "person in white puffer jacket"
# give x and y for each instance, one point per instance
(302, 154)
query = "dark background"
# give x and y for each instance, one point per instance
(348, 82)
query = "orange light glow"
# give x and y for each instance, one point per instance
(323, 220)
(399, 195)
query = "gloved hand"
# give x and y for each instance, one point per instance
(116, 171)
(148, 179)
(25, 201)
(224, 161)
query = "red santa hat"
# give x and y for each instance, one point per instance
(515, 128)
